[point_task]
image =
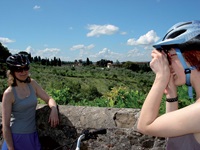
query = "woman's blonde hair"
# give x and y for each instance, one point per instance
(12, 79)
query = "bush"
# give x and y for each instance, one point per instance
(60, 96)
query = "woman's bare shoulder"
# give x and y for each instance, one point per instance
(34, 84)
(8, 94)
(8, 91)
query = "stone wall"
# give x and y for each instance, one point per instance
(119, 122)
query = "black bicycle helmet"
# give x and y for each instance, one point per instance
(17, 60)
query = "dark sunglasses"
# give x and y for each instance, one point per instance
(21, 69)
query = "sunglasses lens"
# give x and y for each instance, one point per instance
(26, 68)
(21, 69)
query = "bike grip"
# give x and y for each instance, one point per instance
(99, 131)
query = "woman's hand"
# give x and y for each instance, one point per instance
(54, 118)
(160, 66)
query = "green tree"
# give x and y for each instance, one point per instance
(87, 62)
(59, 62)
(4, 53)
(131, 65)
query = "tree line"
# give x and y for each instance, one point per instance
(134, 66)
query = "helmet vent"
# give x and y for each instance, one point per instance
(175, 34)
(184, 24)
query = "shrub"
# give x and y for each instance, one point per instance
(62, 96)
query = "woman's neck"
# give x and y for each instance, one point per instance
(21, 84)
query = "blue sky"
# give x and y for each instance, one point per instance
(122, 30)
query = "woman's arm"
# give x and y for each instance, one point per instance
(150, 108)
(171, 106)
(7, 101)
(53, 118)
(175, 123)
(171, 92)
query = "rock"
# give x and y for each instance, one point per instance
(120, 124)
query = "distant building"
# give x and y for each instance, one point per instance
(109, 65)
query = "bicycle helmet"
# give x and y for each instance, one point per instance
(17, 60)
(15, 63)
(182, 36)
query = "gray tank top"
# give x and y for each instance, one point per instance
(23, 113)
(186, 142)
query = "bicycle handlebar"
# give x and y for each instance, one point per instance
(86, 135)
(100, 131)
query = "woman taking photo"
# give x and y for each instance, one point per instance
(19, 106)
(175, 62)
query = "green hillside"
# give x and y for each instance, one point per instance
(95, 86)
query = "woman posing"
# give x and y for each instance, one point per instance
(19, 106)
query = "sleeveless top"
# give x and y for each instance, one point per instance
(186, 142)
(23, 113)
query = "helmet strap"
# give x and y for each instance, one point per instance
(22, 81)
(187, 72)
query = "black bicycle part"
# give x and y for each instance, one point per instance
(88, 135)
(93, 134)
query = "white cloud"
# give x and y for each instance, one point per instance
(148, 39)
(5, 41)
(48, 52)
(51, 50)
(29, 49)
(97, 30)
(36, 7)
(84, 50)
(123, 33)
(135, 52)
(77, 47)
(106, 53)
(141, 53)
(138, 55)
(14, 51)
(44, 53)
(82, 47)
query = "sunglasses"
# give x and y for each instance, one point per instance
(21, 69)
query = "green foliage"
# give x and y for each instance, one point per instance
(143, 66)
(3, 86)
(90, 93)
(123, 97)
(96, 86)
(183, 96)
(61, 96)
(125, 86)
